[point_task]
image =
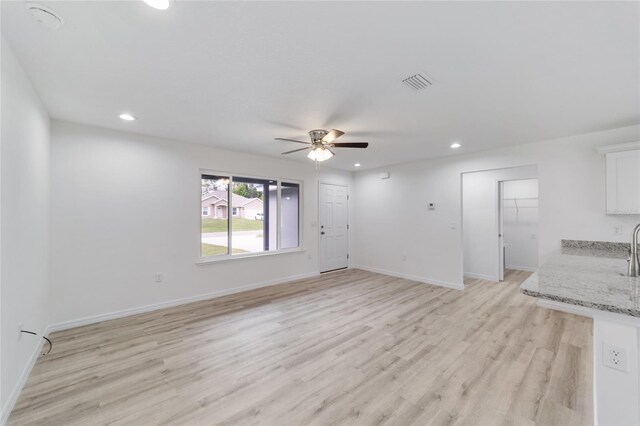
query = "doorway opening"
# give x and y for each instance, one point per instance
(518, 223)
(499, 221)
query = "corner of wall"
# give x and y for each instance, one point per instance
(24, 216)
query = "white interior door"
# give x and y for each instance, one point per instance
(501, 231)
(333, 227)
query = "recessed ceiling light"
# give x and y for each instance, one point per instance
(127, 117)
(455, 145)
(158, 4)
(356, 165)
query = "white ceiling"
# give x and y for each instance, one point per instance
(237, 74)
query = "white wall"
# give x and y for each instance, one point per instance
(125, 206)
(24, 227)
(480, 219)
(520, 221)
(617, 392)
(392, 219)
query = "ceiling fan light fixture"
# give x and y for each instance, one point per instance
(320, 154)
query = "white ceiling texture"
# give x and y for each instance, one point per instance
(237, 74)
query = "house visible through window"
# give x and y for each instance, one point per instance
(264, 215)
(215, 227)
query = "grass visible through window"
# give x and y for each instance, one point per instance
(214, 250)
(239, 224)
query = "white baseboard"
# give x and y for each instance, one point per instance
(65, 325)
(522, 268)
(480, 276)
(410, 277)
(22, 380)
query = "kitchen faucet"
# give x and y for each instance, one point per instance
(634, 260)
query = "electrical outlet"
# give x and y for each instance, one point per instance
(404, 257)
(20, 330)
(617, 230)
(614, 357)
(158, 277)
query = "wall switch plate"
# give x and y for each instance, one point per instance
(614, 357)
(159, 277)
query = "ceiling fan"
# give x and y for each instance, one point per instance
(321, 144)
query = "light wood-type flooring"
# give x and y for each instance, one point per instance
(350, 347)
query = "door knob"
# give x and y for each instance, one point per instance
(322, 233)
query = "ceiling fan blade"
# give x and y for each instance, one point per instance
(350, 145)
(295, 150)
(332, 135)
(292, 140)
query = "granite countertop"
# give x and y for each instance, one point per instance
(590, 275)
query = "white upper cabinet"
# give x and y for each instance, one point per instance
(623, 178)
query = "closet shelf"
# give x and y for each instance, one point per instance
(515, 201)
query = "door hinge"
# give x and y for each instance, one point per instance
(347, 226)
(347, 197)
(347, 255)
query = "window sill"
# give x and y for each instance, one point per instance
(227, 258)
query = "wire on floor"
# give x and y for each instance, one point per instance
(35, 334)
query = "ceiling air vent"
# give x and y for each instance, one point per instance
(417, 82)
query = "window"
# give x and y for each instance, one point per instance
(205, 211)
(265, 215)
(215, 230)
(289, 214)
